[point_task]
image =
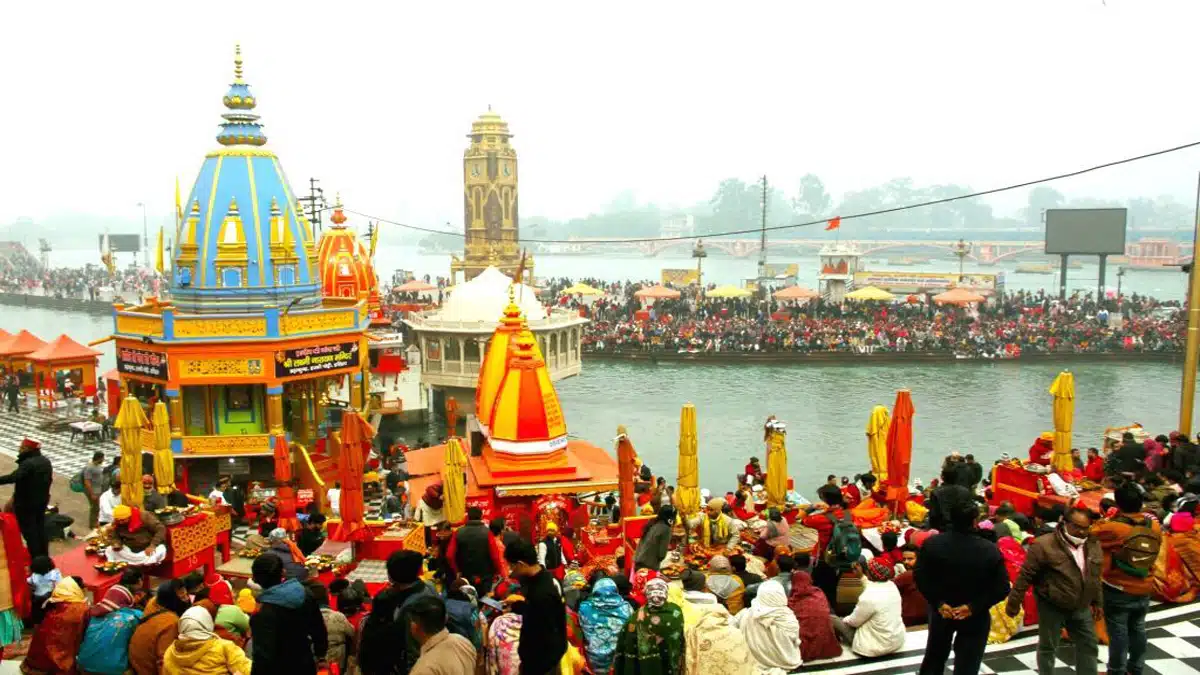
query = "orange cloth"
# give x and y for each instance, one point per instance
(869, 514)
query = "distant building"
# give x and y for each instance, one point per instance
(677, 225)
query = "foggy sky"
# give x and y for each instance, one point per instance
(105, 103)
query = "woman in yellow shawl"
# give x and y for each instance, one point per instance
(57, 638)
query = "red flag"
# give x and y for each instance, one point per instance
(834, 223)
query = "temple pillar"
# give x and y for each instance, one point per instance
(175, 412)
(275, 410)
(356, 389)
(460, 343)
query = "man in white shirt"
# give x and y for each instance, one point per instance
(217, 496)
(876, 626)
(334, 495)
(110, 498)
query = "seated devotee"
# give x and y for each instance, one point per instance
(771, 630)
(776, 533)
(1042, 449)
(312, 535)
(602, 617)
(728, 588)
(743, 506)
(811, 608)
(754, 473)
(876, 626)
(695, 589)
(1005, 522)
(913, 607)
(718, 529)
(783, 567)
(138, 537)
(152, 500)
(851, 495)
(288, 553)
(652, 641)
(197, 649)
(56, 640)
(738, 562)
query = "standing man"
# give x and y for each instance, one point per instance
(961, 575)
(94, 485)
(12, 392)
(474, 553)
(1063, 568)
(543, 638)
(31, 494)
(1130, 542)
(288, 629)
(110, 500)
(974, 472)
(442, 652)
(652, 548)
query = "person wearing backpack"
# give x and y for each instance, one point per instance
(386, 646)
(1131, 542)
(838, 540)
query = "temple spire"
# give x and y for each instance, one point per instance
(237, 64)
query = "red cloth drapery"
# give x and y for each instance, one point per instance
(356, 432)
(283, 460)
(899, 450)
(18, 563)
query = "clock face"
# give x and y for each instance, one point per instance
(507, 170)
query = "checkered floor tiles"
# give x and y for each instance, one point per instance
(1174, 649)
(49, 428)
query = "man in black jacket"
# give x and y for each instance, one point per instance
(474, 552)
(386, 646)
(289, 632)
(961, 575)
(544, 629)
(31, 494)
(974, 472)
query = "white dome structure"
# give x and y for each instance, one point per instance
(484, 297)
(454, 338)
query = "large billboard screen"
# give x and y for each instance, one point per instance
(122, 243)
(1085, 231)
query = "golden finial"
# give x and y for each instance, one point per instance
(237, 63)
(337, 204)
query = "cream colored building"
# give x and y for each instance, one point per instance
(454, 337)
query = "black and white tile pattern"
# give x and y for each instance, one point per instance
(1174, 649)
(49, 428)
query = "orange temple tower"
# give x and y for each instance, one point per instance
(523, 453)
(347, 269)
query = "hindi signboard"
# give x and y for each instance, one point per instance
(141, 363)
(317, 359)
(923, 282)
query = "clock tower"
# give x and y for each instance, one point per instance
(489, 201)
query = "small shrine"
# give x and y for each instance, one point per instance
(838, 262)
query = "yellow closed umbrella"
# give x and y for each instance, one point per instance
(454, 484)
(130, 420)
(1063, 391)
(582, 289)
(777, 464)
(689, 463)
(728, 292)
(164, 461)
(870, 293)
(877, 433)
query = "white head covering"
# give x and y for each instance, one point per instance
(196, 624)
(771, 630)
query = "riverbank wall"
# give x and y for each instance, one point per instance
(96, 307)
(877, 358)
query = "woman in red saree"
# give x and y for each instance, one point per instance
(811, 607)
(56, 640)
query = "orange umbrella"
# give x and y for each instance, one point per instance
(796, 293)
(283, 460)
(657, 291)
(958, 296)
(899, 449)
(356, 433)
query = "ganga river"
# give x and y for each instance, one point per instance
(984, 408)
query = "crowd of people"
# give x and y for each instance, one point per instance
(737, 588)
(1004, 327)
(22, 273)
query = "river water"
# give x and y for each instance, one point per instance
(975, 407)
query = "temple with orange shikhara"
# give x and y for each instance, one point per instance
(347, 268)
(521, 454)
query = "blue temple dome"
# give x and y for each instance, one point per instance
(243, 240)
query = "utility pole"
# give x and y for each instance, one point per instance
(316, 204)
(762, 240)
(145, 237)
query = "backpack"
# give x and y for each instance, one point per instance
(105, 646)
(845, 544)
(554, 558)
(1139, 550)
(77, 482)
(386, 644)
